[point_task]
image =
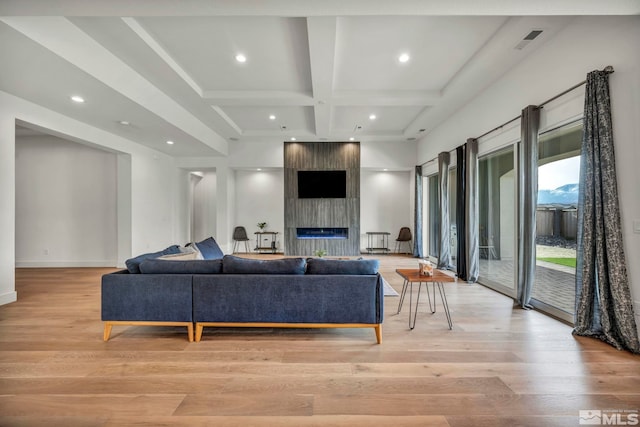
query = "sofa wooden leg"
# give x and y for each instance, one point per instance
(378, 329)
(199, 329)
(190, 331)
(107, 331)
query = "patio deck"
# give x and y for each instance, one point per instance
(555, 284)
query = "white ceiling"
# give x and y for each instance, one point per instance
(321, 67)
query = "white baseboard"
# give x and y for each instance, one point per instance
(63, 264)
(9, 297)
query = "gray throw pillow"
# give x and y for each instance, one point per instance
(133, 264)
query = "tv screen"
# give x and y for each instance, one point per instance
(322, 184)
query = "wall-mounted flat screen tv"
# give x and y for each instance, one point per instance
(322, 184)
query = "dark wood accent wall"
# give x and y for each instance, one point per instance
(321, 212)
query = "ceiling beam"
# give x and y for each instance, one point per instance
(322, 47)
(387, 98)
(257, 98)
(66, 40)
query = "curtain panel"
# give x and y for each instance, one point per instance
(461, 230)
(471, 211)
(604, 308)
(418, 215)
(444, 249)
(467, 211)
(527, 203)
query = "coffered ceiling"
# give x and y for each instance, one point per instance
(322, 69)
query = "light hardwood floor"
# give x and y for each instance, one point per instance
(499, 366)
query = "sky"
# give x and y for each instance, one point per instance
(559, 173)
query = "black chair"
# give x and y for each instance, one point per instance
(404, 236)
(240, 235)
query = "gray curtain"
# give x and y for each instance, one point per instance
(444, 249)
(527, 203)
(461, 224)
(417, 226)
(467, 211)
(471, 210)
(604, 308)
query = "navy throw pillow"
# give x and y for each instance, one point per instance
(338, 266)
(236, 265)
(209, 249)
(163, 266)
(133, 264)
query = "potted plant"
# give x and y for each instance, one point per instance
(320, 253)
(261, 226)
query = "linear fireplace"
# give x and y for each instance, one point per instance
(322, 233)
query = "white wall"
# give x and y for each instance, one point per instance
(149, 214)
(65, 204)
(386, 198)
(587, 43)
(385, 205)
(204, 204)
(260, 198)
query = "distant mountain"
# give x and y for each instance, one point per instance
(564, 195)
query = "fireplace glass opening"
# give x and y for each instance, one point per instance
(322, 233)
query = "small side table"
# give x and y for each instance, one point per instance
(438, 279)
(371, 241)
(270, 237)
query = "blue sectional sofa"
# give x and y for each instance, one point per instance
(240, 292)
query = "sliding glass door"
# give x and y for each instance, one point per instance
(497, 226)
(556, 220)
(433, 218)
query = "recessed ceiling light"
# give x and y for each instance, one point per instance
(272, 117)
(170, 142)
(124, 123)
(77, 98)
(258, 169)
(372, 117)
(293, 138)
(404, 57)
(385, 170)
(241, 58)
(352, 139)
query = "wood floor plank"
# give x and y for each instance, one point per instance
(271, 421)
(247, 404)
(499, 366)
(94, 405)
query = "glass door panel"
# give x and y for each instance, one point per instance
(453, 232)
(556, 220)
(497, 220)
(433, 221)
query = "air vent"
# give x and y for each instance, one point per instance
(283, 128)
(233, 138)
(533, 34)
(356, 128)
(527, 39)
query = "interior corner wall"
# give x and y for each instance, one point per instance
(261, 199)
(146, 204)
(204, 207)
(385, 205)
(65, 204)
(7, 205)
(591, 42)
